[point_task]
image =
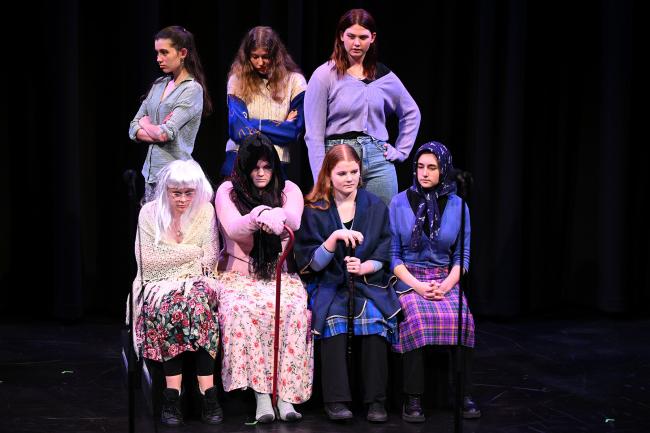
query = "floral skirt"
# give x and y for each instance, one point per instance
(183, 318)
(432, 322)
(246, 318)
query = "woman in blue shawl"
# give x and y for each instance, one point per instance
(339, 216)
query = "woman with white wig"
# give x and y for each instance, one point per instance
(175, 292)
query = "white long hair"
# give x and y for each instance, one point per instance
(180, 174)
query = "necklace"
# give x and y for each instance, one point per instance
(177, 229)
(354, 211)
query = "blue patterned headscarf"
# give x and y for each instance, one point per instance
(428, 199)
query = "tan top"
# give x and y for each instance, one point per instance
(263, 106)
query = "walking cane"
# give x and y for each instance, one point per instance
(276, 339)
(350, 317)
(464, 181)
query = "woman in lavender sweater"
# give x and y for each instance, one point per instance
(348, 100)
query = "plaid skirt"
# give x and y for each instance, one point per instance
(432, 322)
(370, 322)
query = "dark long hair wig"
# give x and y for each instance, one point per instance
(246, 196)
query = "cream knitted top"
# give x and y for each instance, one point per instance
(263, 106)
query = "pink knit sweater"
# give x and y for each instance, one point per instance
(238, 229)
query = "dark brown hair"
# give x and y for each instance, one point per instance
(340, 56)
(246, 196)
(182, 38)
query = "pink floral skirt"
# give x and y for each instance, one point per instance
(246, 319)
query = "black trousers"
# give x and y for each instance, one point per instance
(204, 364)
(413, 369)
(334, 372)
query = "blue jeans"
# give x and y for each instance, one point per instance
(378, 174)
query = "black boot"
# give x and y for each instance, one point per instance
(171, 407)
(211, 411)
(338, 411)
(470, 408)
(412, 409)
(377, 412)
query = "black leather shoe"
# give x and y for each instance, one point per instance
(171, 407)
(337, 411)
(470, 408)
(211, 412)
(412, 409)
(377, 412)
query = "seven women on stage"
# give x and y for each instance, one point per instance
(343, 239)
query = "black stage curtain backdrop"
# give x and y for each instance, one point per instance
(535, 98)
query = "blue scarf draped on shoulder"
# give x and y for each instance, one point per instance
(327, 288)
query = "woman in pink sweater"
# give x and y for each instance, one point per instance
(252, 209)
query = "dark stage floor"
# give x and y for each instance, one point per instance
(589, 375)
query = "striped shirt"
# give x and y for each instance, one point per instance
(185, 102)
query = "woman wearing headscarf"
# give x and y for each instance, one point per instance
(425, 256)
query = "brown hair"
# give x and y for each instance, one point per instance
(340, 56)
(182, 38)
(322, 190)
(280, 66)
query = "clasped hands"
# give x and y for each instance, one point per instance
(432, 290)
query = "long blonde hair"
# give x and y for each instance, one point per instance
(280, 66)
(322, 190)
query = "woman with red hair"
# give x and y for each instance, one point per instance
(345, 234)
